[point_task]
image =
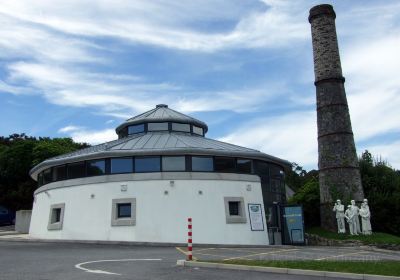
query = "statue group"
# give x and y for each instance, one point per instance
(352, 216)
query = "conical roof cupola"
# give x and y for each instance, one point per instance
(161, 114)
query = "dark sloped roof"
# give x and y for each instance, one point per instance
(162, 114)
(157, 143)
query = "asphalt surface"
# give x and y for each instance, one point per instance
(36, 260)
(296, 253)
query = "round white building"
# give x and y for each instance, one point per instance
(143, 187)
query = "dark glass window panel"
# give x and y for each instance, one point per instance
(59, 173)
(56, 217)
(123, 133)
(147, 164)
(244, 165)
(276, 171)
(234, 208)
(261, 168)
(76, 170)
(132, 129)
(121, 165)
(271, 215)
(173, 163)
(202, 164)
(40, 179)
(184, 127)
(47, 176)
(96, 167)
(224, 164)
(276, 185)
(197, 130)
(124, 210)
(157, 126)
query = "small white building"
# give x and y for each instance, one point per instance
(143, 187)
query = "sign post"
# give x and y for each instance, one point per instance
(190, 246)
(256, 217)
(292, 224)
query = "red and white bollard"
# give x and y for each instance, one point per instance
(190, 246)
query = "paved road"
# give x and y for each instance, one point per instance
(35, 260)
(296, 253)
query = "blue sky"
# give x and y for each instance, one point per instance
(79, 68)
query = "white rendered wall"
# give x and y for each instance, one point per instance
(159, 217)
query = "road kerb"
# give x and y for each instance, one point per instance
(328, 274)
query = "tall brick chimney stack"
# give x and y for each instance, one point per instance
(339, 174)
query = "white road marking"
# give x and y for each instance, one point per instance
(79, 265)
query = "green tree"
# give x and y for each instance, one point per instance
(308, 196)
(381, 185)
(18, 154)
(297, 177)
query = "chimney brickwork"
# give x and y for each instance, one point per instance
(339, 175)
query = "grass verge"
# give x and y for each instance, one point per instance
(375, 238)
(386, 268)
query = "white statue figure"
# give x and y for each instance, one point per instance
(356, 210)
(349, 215)
(365, 218)
(339, 209)
(365, 201)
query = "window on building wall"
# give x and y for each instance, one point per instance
(123, 132)
(47, 176)
(147, 164)
(276, 171)
(76, 170)
(184, 127)
(204, 164)
(157, 126)
(197, 130)
(261, 168)
(96, 167)
(235, 212)
(56, 217)
(59, 173)
(133, 129)
(121, 165)
(234, 208)
(224, 164)
(123, 212)
(40, 179)
(277, 179)
(244, 165)
(172, 163)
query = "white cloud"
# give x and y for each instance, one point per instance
(69, 128)
(389, 152)
(373, 85)
(21, 40)
(271, 24)
(17, 90)
(292, 137)
(125, 96)
(84, 135)
(47, 48)
(373, 90)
